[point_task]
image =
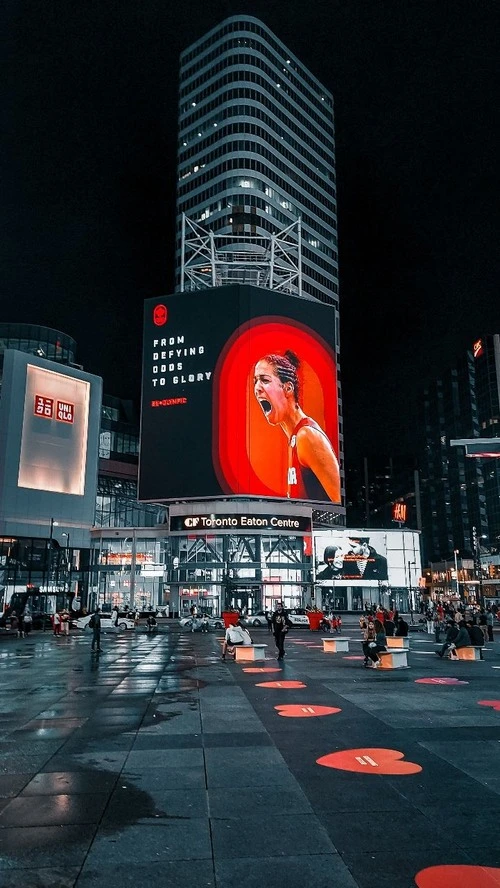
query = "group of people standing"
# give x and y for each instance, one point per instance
(21, 625)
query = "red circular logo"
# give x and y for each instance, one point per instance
(160, 315)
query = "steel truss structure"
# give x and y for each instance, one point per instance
(271, 261)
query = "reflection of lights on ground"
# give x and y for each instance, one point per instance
(440, 681)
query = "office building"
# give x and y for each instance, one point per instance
(256, 152)
(461, 495)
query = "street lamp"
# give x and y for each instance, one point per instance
(51, 537)
(410, 588)
(456, 552)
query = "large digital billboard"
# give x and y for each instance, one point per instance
(49, 437)
(366, 557)
(351, 555)
(239, 397)
(54, 432)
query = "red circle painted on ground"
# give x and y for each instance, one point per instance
(440, 681)
(458, 876)
(353, 658)
(304, 710)
(262, 669)
(369, 761)
(281, 684)
(495, 704)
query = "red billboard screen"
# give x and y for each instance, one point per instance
(239, 397)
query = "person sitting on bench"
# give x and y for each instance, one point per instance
(401, 628)
(462, 640)
(475, 634)
(451, 634)
(235, 635)
(371, 648)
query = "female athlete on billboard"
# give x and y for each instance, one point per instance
(313, 469)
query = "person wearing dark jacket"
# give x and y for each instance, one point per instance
(281, 624)
(475, 634)
(461, 640)
(451, 634)
(402, 628)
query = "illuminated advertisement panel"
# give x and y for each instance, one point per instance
(54, 432)
(357, 556)
(239, 397)
(367, 557)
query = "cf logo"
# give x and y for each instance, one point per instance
(191, 522)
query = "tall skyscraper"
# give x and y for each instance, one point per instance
(460, 493)
(256, 193)
(256, 147)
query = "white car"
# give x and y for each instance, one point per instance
(298, 619)
(106, 625)
(259, 619)
(213, 623)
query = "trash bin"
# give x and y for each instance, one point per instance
(230, 618)
(314, 618)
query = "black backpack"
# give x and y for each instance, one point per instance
(92, 622)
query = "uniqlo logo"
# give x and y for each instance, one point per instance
(65, 411)
(44, 407)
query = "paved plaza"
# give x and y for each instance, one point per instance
(156, 763)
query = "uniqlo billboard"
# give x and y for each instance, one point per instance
(49, 437)
(55, 432)
(239, 397)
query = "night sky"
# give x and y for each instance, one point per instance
(89, 157)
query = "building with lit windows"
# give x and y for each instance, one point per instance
(256, 241)
(460, 494)
(256, 151)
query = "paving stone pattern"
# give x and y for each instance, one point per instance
(156, 763)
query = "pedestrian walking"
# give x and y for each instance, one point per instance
(95, 625)
(56, 623)
(281, 624)
(65, 622)
(27, 621)
(114, 617)
(490, 619)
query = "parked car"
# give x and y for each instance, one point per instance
(258, 619)
(298, 618)
(106, 624)
(213, 623)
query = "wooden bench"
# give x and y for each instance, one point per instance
(335, 645)
(398, 641)
(249, 652)
(471, 652)
(393, 659)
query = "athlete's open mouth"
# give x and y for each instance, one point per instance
(266, 406)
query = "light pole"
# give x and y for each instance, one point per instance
(476, 538)
(456, 553)
(410, 589)
(51, 537)
(68, 564)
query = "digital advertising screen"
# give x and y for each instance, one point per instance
(239, 397)
(356, 556)
(54, 432)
